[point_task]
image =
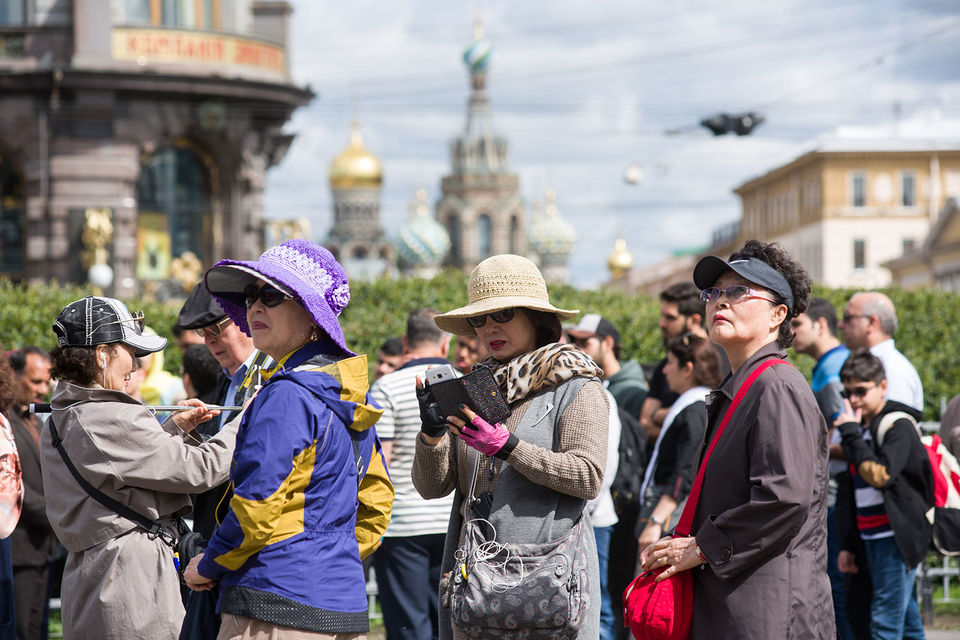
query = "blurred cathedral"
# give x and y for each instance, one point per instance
(479, 213)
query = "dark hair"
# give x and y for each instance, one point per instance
(18, 358)
(702, 353)
(392, 347)
(202, 367)
(793, 271)
(9, 387)
(545, 324)
(864, 366)
(823, 308)
(75, 364)
(421, 329)
(686, 296)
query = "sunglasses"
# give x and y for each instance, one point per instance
(502, 316)
(734, 293)
(214, 330)
(137, 319)
(269, 296)
(856, 392)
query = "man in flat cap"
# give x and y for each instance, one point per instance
(241, 363)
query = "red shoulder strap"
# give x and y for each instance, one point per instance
(686, 518)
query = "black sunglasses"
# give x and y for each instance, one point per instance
(857, 392)
(269, 296)
(502, 316)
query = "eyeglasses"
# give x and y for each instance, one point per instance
(734, 293)
(214, 330)
(856, 392)
(137, 319)
(269, 296)
(502, 316)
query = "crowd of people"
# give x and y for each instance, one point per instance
(257, 508)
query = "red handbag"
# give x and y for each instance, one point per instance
(664, 610)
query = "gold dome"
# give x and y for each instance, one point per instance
(355, 167)
(620, 259)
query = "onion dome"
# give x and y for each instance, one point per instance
(477, 54)
(620, 259)
(550, 235)
(355, 167)
(423, 241)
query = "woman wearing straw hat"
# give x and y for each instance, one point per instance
(311, 496)
(535, 472)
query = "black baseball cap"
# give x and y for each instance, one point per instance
(710, 268)
(593, 324)
(95, 320)
(200, 310)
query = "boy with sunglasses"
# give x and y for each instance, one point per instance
(893, 489)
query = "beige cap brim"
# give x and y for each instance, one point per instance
(456, 321)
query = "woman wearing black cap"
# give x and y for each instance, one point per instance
(120, 581)
(758, 532)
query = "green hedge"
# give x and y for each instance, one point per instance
(929, 328)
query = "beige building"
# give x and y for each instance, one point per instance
(136, 135)
(844, 208)
(937, 262)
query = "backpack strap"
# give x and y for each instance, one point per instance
(887, 422)
(686, 518)
(153, 528)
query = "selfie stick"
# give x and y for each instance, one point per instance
(45, 408)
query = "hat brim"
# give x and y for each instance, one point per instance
(456, 321)
(145, 345)
(227, 279)
(710, 268)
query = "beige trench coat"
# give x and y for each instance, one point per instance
(118, 583)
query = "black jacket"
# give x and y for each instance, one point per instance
(900, 468)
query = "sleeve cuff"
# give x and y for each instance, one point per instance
(508, 447)
(849, 429)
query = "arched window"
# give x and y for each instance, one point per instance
(484, 236)
(173, 198)
(11, 220)
(453, 230)
(359, 253)
(514, 234)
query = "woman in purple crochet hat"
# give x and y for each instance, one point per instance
(288, 555)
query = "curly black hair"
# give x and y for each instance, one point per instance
(75, 364)
(9, 386)
(798, 279)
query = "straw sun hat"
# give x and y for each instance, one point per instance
(501, 282)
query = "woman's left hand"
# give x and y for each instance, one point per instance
(194, 580)
(189, 419)
(676, 554)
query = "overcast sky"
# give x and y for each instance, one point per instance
(582, 89)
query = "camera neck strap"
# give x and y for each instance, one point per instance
(154, 529)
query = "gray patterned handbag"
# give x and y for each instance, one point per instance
(537, 590)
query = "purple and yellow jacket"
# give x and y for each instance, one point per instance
(311, 498)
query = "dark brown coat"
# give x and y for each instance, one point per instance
(761, 518)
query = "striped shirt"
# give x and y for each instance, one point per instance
(395, 392)
(872, 519)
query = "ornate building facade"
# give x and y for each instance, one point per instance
(480, 203)
(161, 117)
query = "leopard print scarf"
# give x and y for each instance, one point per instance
(548, 366)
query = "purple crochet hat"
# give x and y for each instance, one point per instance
(300, 269)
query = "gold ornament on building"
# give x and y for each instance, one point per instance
(620, 260)
(186, 270)
(283, 230)
(355, 167)
(97, 234)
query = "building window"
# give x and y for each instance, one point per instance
(484, 236)
(173, 198)
(514, 234)
(12, 13)
(200, 14)
(858, 190)
(907, 189)
(859, 254)
(137, 12)
(453, 230)
(11, 220)
(909, 246)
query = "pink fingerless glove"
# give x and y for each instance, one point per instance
(486, 438)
